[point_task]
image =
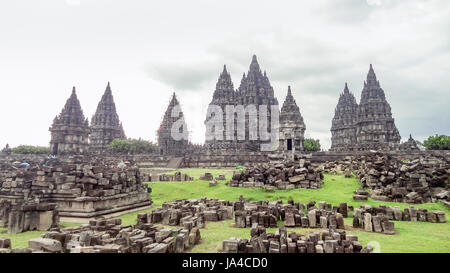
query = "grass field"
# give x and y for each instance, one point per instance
(411, 237)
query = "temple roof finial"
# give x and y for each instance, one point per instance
(254, 66)
(346, 89)
(371, 77)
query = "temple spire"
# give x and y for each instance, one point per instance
(108, 89)
(105, 123)
(254, 66)
(371, 77)
(346, 89)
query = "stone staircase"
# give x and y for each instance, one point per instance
(175, 162)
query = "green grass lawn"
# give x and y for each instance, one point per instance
(411, 237)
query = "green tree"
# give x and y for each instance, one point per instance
(132, 146)
(29, 149)
(312, 145)
(437, 142)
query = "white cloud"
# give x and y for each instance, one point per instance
(148, 50)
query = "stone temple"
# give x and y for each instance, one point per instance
(70, 129)
(372, 123)
(292, 126)
(170, 142)
(255, 89)
(343, 130)
(105, 123)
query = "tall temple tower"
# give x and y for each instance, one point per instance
(375, 127)
(254, 90)
(343, 130)
(292, 127)
(70, 130)
(224, 95)
(105, 123)
(173, 133)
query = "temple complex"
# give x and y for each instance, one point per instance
(371, 126)
(343, 131)
(172, 133)
(255, 90)
(105, 123)
(292, 127)
(70, 129)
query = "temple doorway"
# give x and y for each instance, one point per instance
(289, 144)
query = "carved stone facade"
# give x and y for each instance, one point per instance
(70, 129)
(372, 122)
(292, 126)
(409, 145)
(105, 123)
(254, 91)
(173, 133)
(343, 131)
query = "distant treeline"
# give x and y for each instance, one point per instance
(437, 142)
(132, 146)
(29, 149)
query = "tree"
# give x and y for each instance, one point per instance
(29, 149)
(437, 142)
(312, 145)
(132, 146)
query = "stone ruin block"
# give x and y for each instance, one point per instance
(190, 212)
(279, 176)
(293, 214)
(26, 217)
(282, 242)
(110, 236)
(80, 187)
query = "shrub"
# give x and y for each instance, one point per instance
(29, 149)
(132, 146)
(437, 142)
(312, 145)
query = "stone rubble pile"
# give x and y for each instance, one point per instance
(345, 166)
(326, 241)
(360, 195)
(177, 176)
(191, 212)
(110, 236)
(220, 177)
(288, 175)
(207, 177)
(408, 214)
(372, 223)
(267, 214)
(421, 180)
(26, 217)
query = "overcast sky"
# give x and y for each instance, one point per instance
(148, 49)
